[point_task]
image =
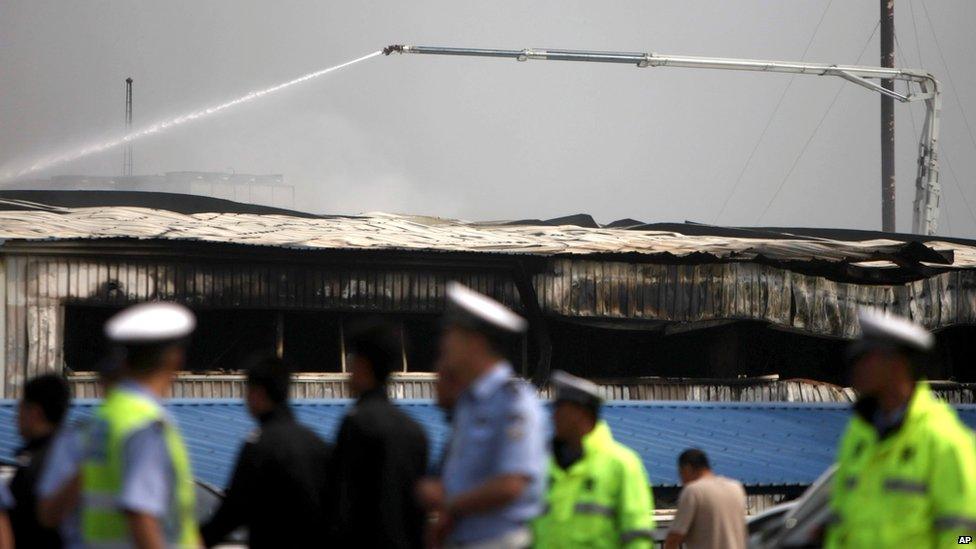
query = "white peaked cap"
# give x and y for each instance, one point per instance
(570, 387)
(150, 323)
(880, 326)
(484, 308)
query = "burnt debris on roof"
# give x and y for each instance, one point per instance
(13, 200)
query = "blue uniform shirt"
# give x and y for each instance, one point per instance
(63, 462)
(498, 430)
(147, 473)
(6, 498)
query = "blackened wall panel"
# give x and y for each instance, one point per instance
(746, 291)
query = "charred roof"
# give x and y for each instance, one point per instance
(857, 256)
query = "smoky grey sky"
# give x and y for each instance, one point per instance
(496, 139)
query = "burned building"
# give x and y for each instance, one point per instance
(653, 310)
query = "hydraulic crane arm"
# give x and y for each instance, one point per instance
(926, 88)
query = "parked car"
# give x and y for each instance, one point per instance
(799, 523)
(209, 498)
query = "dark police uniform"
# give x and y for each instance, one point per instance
(379, 457)
(28, 532)
(278, 487)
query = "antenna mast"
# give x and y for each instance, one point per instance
(127, 146)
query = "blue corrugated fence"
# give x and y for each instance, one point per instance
(761, 444)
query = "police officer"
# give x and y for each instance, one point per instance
(278, 489)
(599, 494)
(136, 484)
(59, 485)
(906, 473)
(494, 472)
(381, 453)
(39, 417)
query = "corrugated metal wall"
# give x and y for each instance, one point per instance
(755, 504)
(790, 390)
(747, 291)
(306, 385)
(421, 386)
(37, 287)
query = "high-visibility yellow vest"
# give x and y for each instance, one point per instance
(602, 500)
(102, 522)
(914, 488)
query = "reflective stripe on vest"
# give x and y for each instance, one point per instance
(905, 486)
(594, 509)
(632, 535)
(955, 522)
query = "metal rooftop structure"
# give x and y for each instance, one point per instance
(927, 189)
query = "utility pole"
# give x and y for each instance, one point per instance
(127, 146)
(887, 118)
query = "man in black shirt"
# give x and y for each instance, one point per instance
(41, 411)
(278, 487)
(380, 453)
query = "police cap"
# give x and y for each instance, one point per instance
(884, 331)
(469, 309)
(150, 324)
(577, 390)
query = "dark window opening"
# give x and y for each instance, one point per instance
(954, 354)
(311, 341)
(599, 352)
(225, 339)
(725, 351)
(84, 336)
(422, 334)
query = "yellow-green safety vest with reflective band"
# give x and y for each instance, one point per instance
(914, 488)
(602, 500)
(103, 523)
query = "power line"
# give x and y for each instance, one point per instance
(955, 180)
(955, 92)
(772, 116)
(945, 210)
(918, 44)
(813, 134)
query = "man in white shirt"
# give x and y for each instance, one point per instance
(711, 508)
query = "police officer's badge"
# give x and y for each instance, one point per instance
(516, 427)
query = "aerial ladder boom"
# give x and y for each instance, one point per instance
(920, 86)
